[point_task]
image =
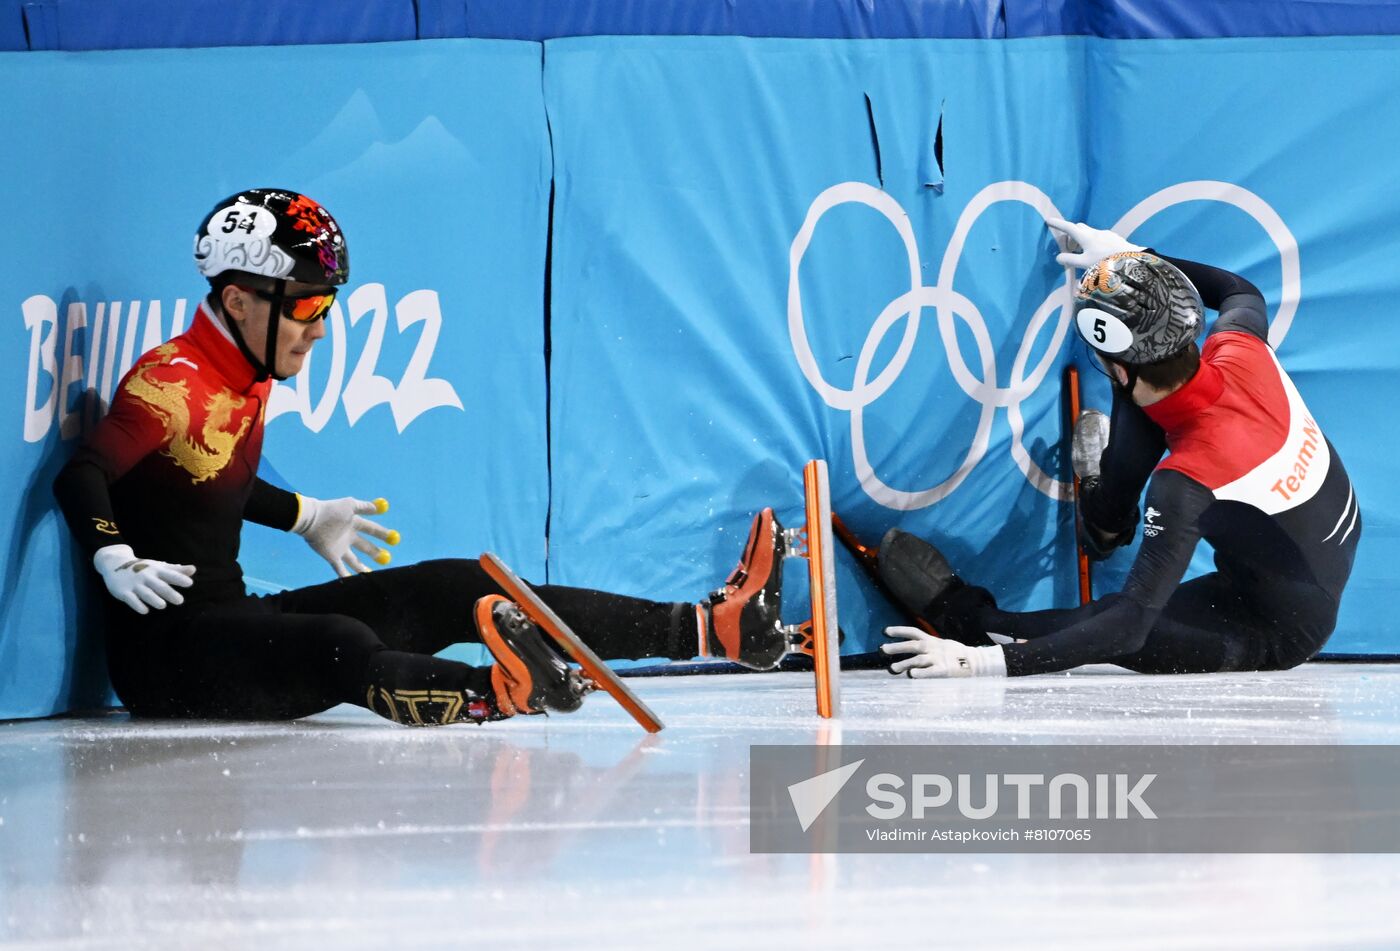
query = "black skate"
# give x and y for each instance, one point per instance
(528, 676)
(924, 584)
(916, 573)
(742, 621)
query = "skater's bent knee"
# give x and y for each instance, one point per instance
(348, 633)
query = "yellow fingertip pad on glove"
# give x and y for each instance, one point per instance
(392, 538)
(383, 557)
(381, 506)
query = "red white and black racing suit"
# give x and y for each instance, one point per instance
(1249, 470)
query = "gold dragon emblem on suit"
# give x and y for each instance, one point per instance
(169, 401)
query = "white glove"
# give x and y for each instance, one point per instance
(1084, 246)
(939, 657)
(332, 528)
(141, 584)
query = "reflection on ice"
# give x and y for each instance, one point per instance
(583, 830)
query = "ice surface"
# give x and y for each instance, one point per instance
(344, 831)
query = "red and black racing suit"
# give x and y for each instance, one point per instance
(171, 470)
(1250, 471)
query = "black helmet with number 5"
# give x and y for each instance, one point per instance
(1137, 309)
(273, 232)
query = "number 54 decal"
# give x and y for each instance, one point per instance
(411, 397)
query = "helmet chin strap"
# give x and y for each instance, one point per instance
(274, 320)
(266, 367)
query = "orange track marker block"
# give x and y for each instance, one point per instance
(1086, 586)
(813, 542)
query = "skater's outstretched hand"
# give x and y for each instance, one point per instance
(335, 530)
(140, 583)
(1083, 247)
(929, 656)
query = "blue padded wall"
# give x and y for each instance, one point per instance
(141, 24)
(129, 24)
(1193, 19)
(741, 225)
(429, 388)
(901, 19)
(12, 35)
(831, 19)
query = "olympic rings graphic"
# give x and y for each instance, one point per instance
(948, 304)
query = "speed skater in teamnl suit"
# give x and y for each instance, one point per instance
(1246, 467)
(158, 493)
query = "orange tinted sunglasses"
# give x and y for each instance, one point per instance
(306, 309)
